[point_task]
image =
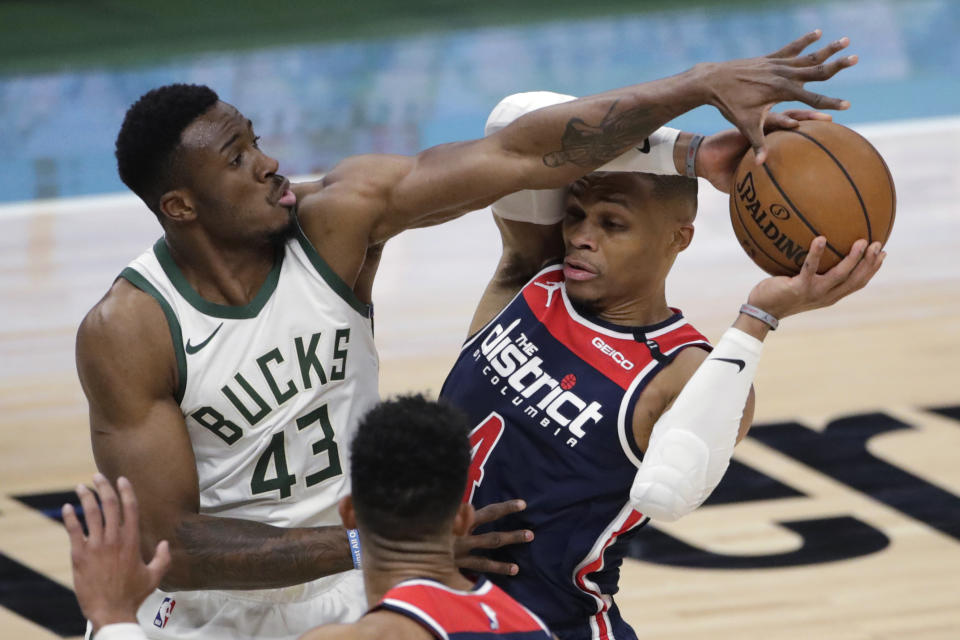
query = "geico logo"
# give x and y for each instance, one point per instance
(526, 376)
(613, 353)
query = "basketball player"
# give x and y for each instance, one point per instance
(227, 366)
(585, 394)
(410, 459)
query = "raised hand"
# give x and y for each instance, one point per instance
(492, 540)
(745, 90)
(109, 575)
(783, 296)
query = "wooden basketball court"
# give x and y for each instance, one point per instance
(840, 518)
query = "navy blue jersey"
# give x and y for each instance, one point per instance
(552, 393)
(483, 613)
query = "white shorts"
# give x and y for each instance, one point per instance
(269, 614)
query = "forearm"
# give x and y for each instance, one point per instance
(691, 444)
(228, 553)
(570, 139)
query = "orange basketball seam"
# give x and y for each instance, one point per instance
(853, 185)
(797, 211)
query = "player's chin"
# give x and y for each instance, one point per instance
(585, 297)
(283, 229)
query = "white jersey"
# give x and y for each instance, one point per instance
(271, 392)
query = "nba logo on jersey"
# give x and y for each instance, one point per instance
(163, 613)
(491, 616)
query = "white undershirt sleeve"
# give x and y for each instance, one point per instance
(692, 443)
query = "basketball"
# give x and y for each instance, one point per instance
(819, 179)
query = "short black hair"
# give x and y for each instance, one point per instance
(409, 462)
(151, 133)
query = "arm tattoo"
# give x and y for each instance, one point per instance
(587, 145)
(240, 554)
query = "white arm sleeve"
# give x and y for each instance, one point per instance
(120, 631)
(692, 443)
(545, 206)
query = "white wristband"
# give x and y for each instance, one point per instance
(655, 155)
(120, 631)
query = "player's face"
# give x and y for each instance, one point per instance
(234, 186)
(617, 241)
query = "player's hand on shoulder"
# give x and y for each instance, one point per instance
(465, 544)
(110, 577)
(784, 296)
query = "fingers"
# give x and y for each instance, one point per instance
(159, 564)
(797, 46)
(820, 55)
(820, 101)
(498, 510)
(812, 262)
(72, 524)
(842, 270)
(91, 512)
(791, 118)
(776, 121)
(497, 539)
(807, 114)
(821, 72)
(862, 273)
(753, 132)
(110, 505)
(128, 499)
(480, 564)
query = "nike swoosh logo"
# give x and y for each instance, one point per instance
(192, 349)
(646, 146)
(739, 363)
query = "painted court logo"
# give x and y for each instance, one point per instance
(164, 612)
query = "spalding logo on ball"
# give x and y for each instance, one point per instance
(819, 179)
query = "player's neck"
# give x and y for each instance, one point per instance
(387, 563)
(639, 310)
(223, 274)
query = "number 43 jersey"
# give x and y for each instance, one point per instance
(271, 392)
(551, 393)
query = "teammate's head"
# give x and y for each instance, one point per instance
(622, 233)
(194, 160)
(409, 463)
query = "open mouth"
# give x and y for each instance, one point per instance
(578, 270)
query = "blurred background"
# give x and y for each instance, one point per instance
(322, 81)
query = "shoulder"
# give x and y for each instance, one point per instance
(125, 337)
(663, 390)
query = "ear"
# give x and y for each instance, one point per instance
(347, 514)
(682, 237)
(463, 521)
(177, 206)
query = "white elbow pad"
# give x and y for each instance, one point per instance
(692, 443)
(545, 206)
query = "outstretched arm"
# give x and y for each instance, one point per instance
(368, 199)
